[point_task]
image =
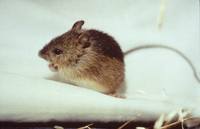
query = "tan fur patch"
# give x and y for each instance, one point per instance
(96, 72)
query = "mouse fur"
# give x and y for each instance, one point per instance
(87, 58)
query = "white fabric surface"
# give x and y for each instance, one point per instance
(158, 81)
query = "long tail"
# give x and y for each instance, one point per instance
(168, 48)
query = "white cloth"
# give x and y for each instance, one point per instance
(158, 81)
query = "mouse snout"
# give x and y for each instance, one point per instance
(43, 53)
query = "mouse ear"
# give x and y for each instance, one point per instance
(77, 26)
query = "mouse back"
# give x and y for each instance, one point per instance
(105, 44)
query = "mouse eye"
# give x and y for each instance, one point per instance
(86, 45)
(57, 51)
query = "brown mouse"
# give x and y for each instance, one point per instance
(91, 58)
(87, 58)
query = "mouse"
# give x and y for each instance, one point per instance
(92, 59)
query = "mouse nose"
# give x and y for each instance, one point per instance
(43, 53)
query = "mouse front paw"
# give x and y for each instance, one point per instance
(53, 67)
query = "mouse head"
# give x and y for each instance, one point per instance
(66, 49)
